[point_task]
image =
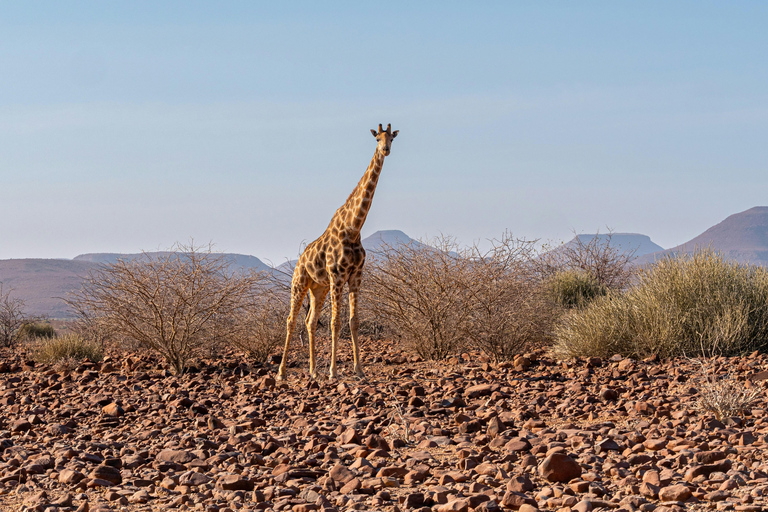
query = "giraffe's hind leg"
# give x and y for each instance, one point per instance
(298, 292)
(316, 299)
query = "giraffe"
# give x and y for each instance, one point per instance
(336, 259)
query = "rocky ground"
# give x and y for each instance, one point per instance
(533, 434)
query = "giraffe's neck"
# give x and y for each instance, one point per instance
(351, 216)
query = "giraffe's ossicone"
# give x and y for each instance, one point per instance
(334, 260)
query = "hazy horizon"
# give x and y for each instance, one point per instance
(132, 126)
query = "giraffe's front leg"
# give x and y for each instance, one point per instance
(336, 289)
(354, 322)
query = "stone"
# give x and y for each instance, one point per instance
(176, 456)
(340, 474)
(113, 410)
(108, 473)
(21, 425)
(233, 482)
(559, 467)
(70, 476)
(677, 492)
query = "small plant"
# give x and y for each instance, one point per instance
(574, 288)
(724, 395)
(608, 264)
(66, 348)
(398, 427)
(11, 316)
(34, 330)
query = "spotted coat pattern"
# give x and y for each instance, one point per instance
(334, 260)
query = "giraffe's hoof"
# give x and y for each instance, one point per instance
(280, 376)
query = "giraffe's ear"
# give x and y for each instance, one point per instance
(394, 133)
(374, 133)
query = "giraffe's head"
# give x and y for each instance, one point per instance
(384, 137)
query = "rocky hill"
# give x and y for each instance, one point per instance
(641, 245)
(44, 283)
(742, 237)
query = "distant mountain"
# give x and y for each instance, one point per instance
(742, 237)
(42, 283)
(238, 261)
(625, 242)
(381, 240)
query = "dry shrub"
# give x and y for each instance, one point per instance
(723, 394)
(262, 325)
(697, 304)
(609, 266)
(416, 290)
(66, 348)
(177, 303)
(509, 310)
(440, 298)
(11, 316)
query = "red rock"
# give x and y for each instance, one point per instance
(113, 410)
(515, 500)
(232, 482)
(559, 467)
(677, 492)
(107, 473)
(70, 476)
(341, 474)
(177, 456)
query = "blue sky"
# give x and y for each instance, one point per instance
(128, 126)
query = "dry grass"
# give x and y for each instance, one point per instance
(66, 350)
(724, 395)
(696, 305)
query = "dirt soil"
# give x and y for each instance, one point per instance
(460, 435)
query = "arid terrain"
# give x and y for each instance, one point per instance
(460, 435)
